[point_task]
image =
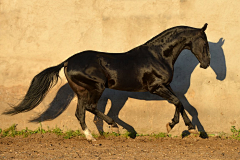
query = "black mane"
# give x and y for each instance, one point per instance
(164, 36)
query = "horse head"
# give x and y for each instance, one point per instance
(200, 48)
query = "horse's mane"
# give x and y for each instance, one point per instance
(165, 35)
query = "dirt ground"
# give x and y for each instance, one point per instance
(50, 146)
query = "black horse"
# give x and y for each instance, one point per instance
(148, 67)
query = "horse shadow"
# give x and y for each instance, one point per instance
(183, 68)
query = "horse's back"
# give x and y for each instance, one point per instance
(113, 70)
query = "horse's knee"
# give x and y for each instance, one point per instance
(91, 107)
(176, 102)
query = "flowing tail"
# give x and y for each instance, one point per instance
(38, 89)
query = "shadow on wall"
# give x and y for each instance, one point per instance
(183, 69)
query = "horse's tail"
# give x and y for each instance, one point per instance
(38, 89)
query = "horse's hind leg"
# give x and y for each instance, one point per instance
(167, 93)
(87, 100)
(80, 114)
(92, 107)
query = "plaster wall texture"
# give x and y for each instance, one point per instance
(35, 35)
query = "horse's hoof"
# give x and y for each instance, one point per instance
(88, 135)
(203, 135)
(115, 130)
(168, 127)
(194, 131)
(91, 138)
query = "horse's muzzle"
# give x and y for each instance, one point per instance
(204, 66)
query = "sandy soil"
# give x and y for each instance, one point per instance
(50, 146)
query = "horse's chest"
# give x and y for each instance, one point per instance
(158, 73)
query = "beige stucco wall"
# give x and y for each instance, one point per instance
(35, 35)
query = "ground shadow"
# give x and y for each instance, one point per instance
(59, 104)
(183, 69)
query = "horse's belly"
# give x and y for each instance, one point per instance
(126, 84)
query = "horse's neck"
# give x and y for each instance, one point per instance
(170, 44)
(170, 51)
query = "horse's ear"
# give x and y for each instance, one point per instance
(204, 27)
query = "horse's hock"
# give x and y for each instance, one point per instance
(40, 35)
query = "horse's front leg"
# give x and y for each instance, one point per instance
(167, 93)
